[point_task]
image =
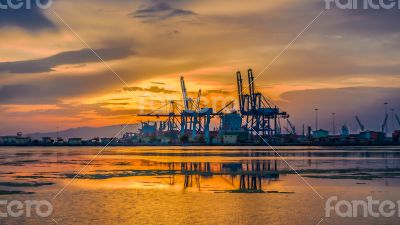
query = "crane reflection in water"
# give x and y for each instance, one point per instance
(247, 176)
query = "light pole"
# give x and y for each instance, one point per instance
(333, 123)
(385, 107)
(392, 119)
(386, 114)
(316, 119)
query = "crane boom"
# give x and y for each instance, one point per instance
(398, 119)
(198, 100)
(222, 109)
(251, 88)
(184, 94)
(385, 123)
(240, 89)
(359, 123)
(293, 128)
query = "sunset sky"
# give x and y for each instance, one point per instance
(347, 61)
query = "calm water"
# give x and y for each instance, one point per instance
(197, 185)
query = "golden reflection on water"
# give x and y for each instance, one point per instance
(198, 185)
(251, 176)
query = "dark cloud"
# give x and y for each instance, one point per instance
(120, 99)
(159, 83)
(222, 92)
(98, 108)
(79, 111)
(153, 89)
(181, 12)
(153, 8)
(160, 10)
(115, 103)
(19, 93)
(31, 19)
(50, 89)
(156, 89)
(63, 58)
(53, 89)
(133, 88)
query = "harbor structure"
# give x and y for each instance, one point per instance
(257, 116)
(256, 120)
(18, 139)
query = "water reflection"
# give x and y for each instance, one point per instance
(234, 170)
(247, 176)
(159, 186)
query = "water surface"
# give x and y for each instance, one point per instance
(197, 185)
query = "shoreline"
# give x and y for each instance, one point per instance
(212, 145)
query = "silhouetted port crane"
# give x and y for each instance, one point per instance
(384, 124)
(188, 120)
(360, 124)
(173, 113)
(398, 119)
(194, 120)
(261, 116)
(291, 129)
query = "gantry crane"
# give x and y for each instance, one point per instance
(291, 126)
(360, 124)
(384, 124)
(261, 116)
(188, 120)
(184, 95)
(194, 120)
